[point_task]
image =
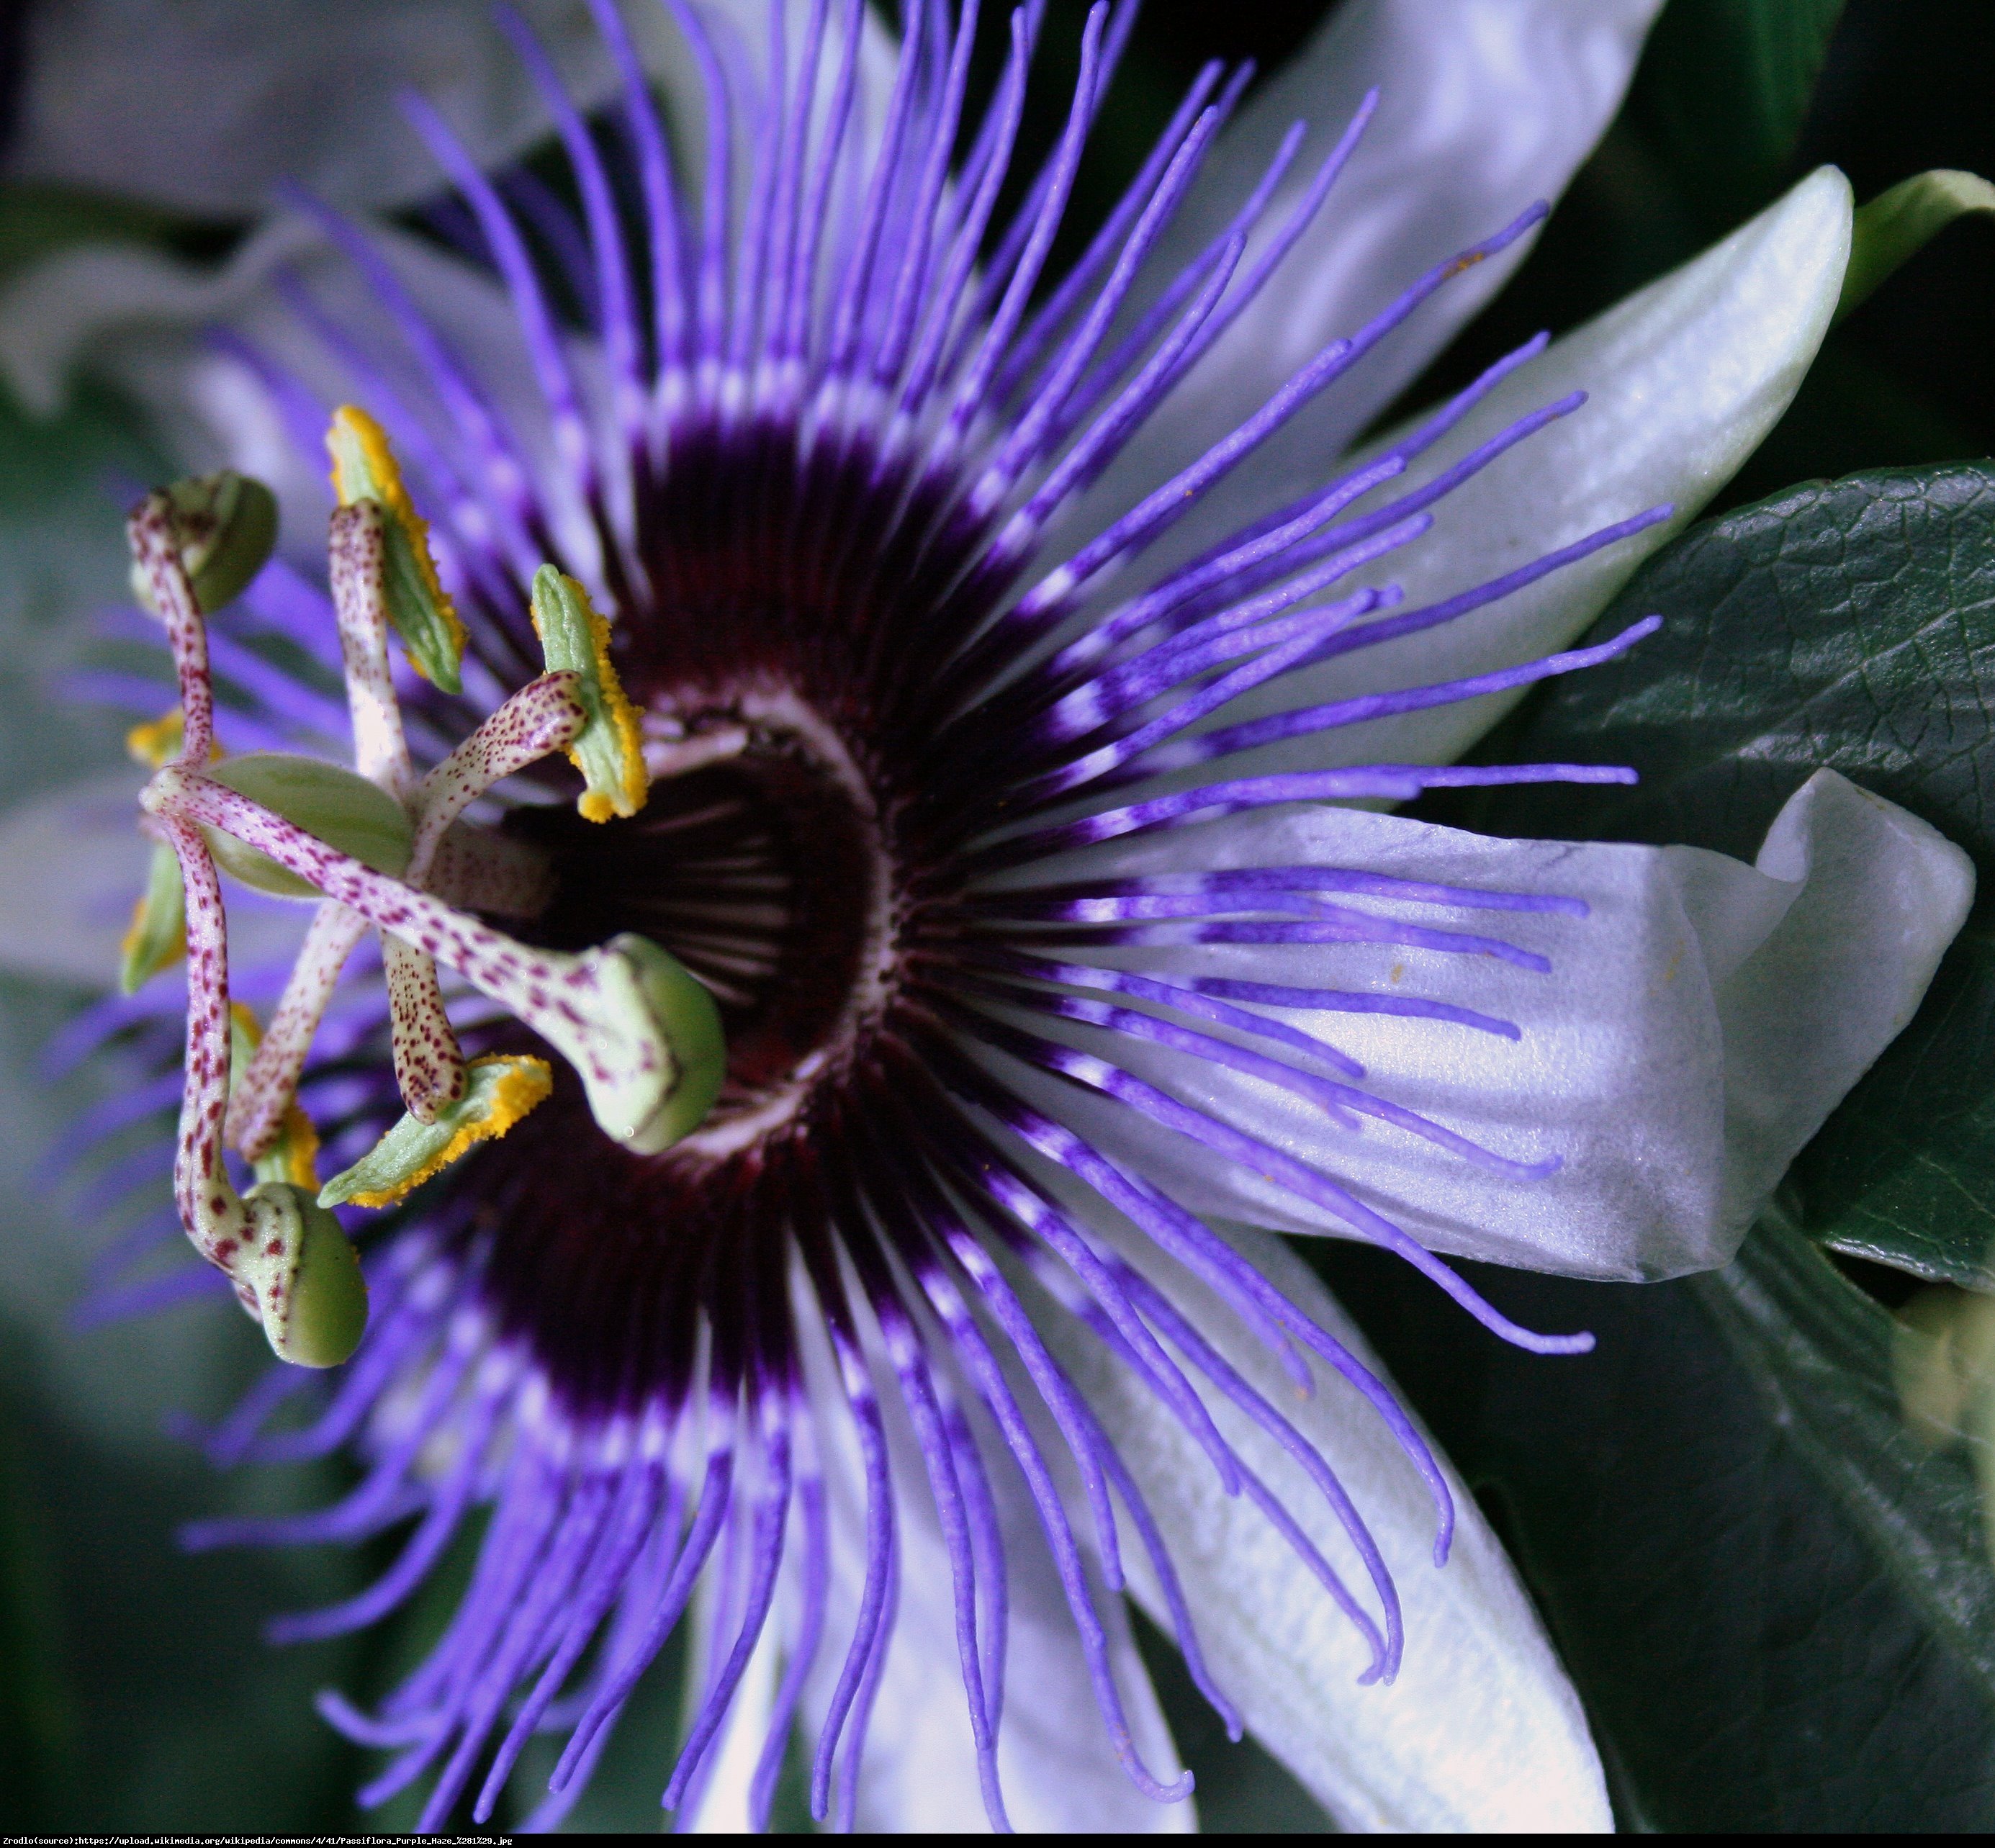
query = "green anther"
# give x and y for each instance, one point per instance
(609, 749)
(156, 938)
(315, 1300)
(227, 525)
(498, 1092)
(337, 805)
(690, 1023)
(364, 468)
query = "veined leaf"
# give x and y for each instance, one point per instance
(1821, 1352)
(1753, 1656)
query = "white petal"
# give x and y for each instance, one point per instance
(1693, 1032)
(920, 1774)
(1685, 378)
(1481, 1731)
(206, 104)
(1485, 106)
(143, 318)
(1881, 896)
(722, 1807)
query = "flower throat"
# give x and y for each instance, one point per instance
(763, 865)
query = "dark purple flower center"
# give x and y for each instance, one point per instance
(769, 654)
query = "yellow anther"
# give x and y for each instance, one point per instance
(364, 468)
(500, 1089)
(610, 749)
(156, 743)
(294, 1154)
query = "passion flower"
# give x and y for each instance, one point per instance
(899, 918)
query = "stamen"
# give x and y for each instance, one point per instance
(291, 1266)
(364, 468)
(289, 1260)
(545, 716)
(429, 1063)
(358, 550)
(500, 1090)
(610, 749)
(225, 526)
(642, 1033)
(153, 532)
(256, 1109)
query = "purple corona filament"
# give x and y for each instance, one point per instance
(843, 406)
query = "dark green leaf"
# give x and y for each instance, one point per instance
(62, 554)
(1821, 1351)
(1851, 414)
(183, 1715)
(1851, 624)
(1747, 1660)
(1726, 86)
(39, 220)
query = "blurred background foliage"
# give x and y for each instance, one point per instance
(1776, 1599)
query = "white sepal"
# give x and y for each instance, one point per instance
(1481, 1731)
(70, 865)
(1485, 106)
(72, 861)
(920, 1774)
(1682, 379)
(1693, 1031)
(204, 106)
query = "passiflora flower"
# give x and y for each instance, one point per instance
(868, 889)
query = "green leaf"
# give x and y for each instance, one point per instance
(1852, 624)
(1726, 84)
(176, 1705)
(39, 220)
(1821, 1352)
(1897, 223)
(1748, 1659)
